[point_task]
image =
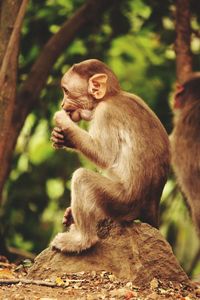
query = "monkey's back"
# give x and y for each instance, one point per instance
(136, 138)
(185, 152)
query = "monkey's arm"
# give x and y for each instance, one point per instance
(82, 141)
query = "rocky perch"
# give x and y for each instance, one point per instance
(137, 252)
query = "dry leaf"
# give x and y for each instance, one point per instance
(129, 285)
(112, 277)
(6, 274)
(59, 281)
(130, 294)
(154, 284)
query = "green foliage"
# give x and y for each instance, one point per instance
(176, 225)
(135, 38)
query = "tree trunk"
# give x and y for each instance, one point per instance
(9, 40)
(9, 10)
(183, 40)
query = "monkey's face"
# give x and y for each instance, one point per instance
(76, 96)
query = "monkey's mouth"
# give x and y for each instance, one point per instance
(70, 110)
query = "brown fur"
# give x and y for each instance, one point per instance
(185, 146)
(86, 70)
(127, 140)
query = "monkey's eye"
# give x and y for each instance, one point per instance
(65, 90)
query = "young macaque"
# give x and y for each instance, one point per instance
(185, 143)
(125, 138)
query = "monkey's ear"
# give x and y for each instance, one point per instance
(97, 85)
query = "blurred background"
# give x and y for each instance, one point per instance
(136, 39)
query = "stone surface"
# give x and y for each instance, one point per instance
(136, 252)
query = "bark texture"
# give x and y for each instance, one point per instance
(183, 40)
(138, 253)
(8, 77)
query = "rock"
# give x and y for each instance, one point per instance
(137, 252)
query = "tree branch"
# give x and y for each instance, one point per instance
(13, 16)
(38, 282)
(13, 41)
(183, 39)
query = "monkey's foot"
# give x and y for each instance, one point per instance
(72, 242)
(68, 217)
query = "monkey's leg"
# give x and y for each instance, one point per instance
(151, 214)
(150, 209)
(90, 190)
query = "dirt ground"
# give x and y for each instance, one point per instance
(15, 285)
(89, 286)
(33, 292)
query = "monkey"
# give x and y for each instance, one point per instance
(185, 143)
(125, 139)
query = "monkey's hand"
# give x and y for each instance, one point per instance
(68, 218)
(62, 119)
(60, 135)
(57, 138)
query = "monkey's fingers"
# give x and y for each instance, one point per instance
(67, 221)
(56, 135)
(58, 129)
(57, 140)
(68, 218)
(57, 146)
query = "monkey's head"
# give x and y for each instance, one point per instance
(188, 92)
(85, 85)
